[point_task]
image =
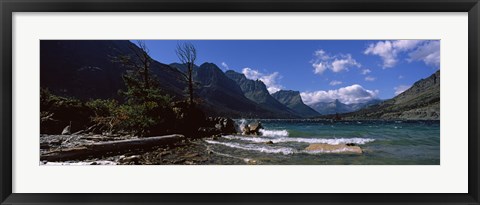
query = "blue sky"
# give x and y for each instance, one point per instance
(322, 70)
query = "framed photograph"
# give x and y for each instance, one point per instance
(256, 102)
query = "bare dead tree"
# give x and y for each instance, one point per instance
(141, 84)
(139, 63)
(145, 61)
(187, 54)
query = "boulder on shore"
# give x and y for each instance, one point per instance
(208, 131)
(245, 130)
(252, 128)
(222, 124)
(339, 148)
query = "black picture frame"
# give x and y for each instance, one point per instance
(7, 7)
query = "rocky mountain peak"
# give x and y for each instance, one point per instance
(293, 100)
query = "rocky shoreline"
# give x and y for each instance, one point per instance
(101, 149)
(173, 149)
(187, 152)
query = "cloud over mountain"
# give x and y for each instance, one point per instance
(225, 66)
(270, 80)
(349, 94)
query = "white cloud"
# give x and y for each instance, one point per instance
(370, 78)
(400, 77)
(335, 63)
(401, 88)
(350, 94)
(418, 50)
(270, 80)
(429, 53)
(405, 45)
(319, 68)
(335, 82)
(342, 64)
(251, 73)
(385, 50)
(225, 66)
(322, 55)
(366, 71)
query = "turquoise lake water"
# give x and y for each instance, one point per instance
(382, 142)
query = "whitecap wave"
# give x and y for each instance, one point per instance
(332, 141)
(340, 150)
(243, 123)
(276, 150)
(265, 149)
(274, 133)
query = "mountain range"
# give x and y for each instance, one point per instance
(326, 108)
(293, 100)
(222, 96)
(419, 102)
(85, 69)
(256, 91)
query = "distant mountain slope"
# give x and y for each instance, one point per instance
(419, 102)
(326, 108)
(84, 68)
(222, 96)
(292, 100)
(256, 91)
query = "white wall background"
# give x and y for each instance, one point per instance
(449, 177)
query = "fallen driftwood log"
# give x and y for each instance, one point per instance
(114, 147)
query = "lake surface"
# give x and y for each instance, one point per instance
(382, 142)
